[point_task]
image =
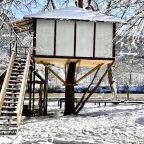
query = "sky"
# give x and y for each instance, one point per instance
(20, 11)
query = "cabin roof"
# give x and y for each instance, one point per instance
(75, 13)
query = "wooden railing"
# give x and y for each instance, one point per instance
(6, 80)
(23, 88)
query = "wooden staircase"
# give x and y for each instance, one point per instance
(13, 93)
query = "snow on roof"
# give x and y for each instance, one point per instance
(75, 13)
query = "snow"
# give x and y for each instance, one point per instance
(121, 124)
(75, 13)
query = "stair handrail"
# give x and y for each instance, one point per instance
(7, 78)
(23, 87)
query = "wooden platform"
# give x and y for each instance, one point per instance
(81, 62)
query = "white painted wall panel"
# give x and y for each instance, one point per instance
(65, 38)
(84, 41)
(104, 38)
(45, 37)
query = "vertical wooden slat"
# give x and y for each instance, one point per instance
(75, 29)
(34, 36)
(114, 33)
(94, 39)
(55, 31)
(33, 106)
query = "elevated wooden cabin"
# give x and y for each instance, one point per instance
(73, 34)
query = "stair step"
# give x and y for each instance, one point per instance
(13, 76)
(18, 63)
(12, 93)
(16, 70)
(19, 68)
(14, 84)
(14, 73)
(8, 132)
(10, 102)
(23, 57)
(20, 60)
(9, 107)
(9, 113)
(15, 81)
(6, 123)
(11, 89)
(18, 77)
(10, 98)
(8, 117)
(8, 129)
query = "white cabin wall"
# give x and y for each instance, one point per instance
(84, 39)
(104, 38)
(44, 37)
(65, 38)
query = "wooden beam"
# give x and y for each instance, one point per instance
(91, 71)
(23, 88)
(21, 21)
(30, 91)
(46, 91)
(6, 80)
(93, 90)
(21, 30)
(37, 82)
(54, 73)
(39, 76)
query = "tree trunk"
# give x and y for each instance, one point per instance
(69, 90)
(80, 3)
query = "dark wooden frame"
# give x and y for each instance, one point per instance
(55, 32)
(114, 34)
(75, 30)
(34, 36)
(71, 57)
(94, 39)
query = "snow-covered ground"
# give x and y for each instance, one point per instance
(121, 124)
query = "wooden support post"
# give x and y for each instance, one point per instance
(30, 91)
(40, 99)
(46, 91)
(112, 84)
(69, 92)
(33, 106)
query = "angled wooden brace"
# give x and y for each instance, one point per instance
(88, 73)
(94, 89)
(54, 73)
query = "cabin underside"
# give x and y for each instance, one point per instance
(64, 61)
